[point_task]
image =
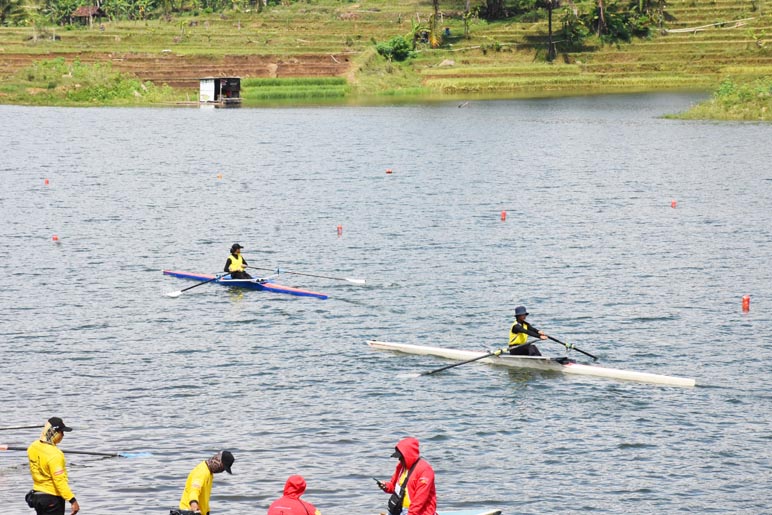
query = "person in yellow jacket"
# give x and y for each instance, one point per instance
(236, 263)
(50, 489)
(198, 487)
(519, 333)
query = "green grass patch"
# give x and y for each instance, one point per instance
(734, 100)
(58, 82)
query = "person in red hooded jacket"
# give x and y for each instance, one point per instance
(420, 495)
(291, 503)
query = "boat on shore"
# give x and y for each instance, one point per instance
(544, 363)
(250, 284)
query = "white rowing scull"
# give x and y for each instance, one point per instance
(535, 363)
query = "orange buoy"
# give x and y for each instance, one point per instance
(673, 204)
(219, 176)
(55, 237)
(340, 230)
(503, 216)
(746, 302)
(388, 170)
(45, 182)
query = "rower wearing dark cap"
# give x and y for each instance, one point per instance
(236, 263)
(198, 487)
(519, 333)
(50, 489)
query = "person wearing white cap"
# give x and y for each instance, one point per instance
(519, 333)
(50, 488)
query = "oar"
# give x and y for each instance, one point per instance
(175, 294)
(571, 346)
(20, 427)
(490, 353)
(353, 281)
(88, 453)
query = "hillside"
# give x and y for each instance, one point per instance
(701, 43)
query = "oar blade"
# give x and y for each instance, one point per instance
(174, 294)
(134, 454)
(355, 281)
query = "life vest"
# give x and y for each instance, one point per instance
(516, 339)
(237, 263)
(403, 484)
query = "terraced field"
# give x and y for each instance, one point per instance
(702, 42)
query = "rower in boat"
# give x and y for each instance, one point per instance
(235, 264)
(519, 333)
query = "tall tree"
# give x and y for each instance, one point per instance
(12, 12)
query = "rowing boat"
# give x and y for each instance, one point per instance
(468, 512)
(560, 365)
(251, 284)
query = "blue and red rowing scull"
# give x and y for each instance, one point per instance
(251, 284)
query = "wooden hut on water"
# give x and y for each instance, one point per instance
(220, 91)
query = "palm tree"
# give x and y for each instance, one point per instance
(12, 12)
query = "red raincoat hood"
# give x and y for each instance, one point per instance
(295, 486)
(409, 449)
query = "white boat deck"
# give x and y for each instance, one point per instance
(534, 363)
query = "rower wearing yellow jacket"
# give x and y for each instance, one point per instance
(519, 333)
(50, 489)
(236, 263)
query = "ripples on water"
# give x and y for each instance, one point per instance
(590, 245)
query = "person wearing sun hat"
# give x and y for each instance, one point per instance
(235, 263)
(50, 488)
(198, 487)
(519, 333)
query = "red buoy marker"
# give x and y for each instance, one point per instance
(55, 238)
(340, 230)
(746, 303)
(45, 182)
(673, 204)
(388, 171)
(503, 216)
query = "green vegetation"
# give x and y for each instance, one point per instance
(751, 101)
(257, 91)
(58, 82)
(400, 48)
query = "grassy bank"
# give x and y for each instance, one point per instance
(58, 82)
(699, 45)
(750, 101)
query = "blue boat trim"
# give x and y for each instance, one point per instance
(250, 285)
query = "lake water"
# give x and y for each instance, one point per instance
(591, 245)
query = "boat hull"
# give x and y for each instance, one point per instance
(534, 363)
(250, 285)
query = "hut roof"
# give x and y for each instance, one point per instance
(88, 10)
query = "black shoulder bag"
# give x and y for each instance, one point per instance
(396, 499)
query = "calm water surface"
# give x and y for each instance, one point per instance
(591, 245)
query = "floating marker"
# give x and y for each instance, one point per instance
(55, 238)
(673, 204)
(503, 216)
(219, 176)
(746, 303)
(388, 170)
(45, 182)
(340, 230)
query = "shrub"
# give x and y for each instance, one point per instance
(396, 49)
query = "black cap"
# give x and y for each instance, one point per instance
(58, 424)
(227, 461)
(236, 246)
